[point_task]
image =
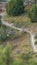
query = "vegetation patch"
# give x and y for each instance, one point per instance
(7, 58)
(35, 36)
(19, 21)
(7, 33)
(36, 42)
(15, 7)
(33, 13)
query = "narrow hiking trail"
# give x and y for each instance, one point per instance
(22, 30)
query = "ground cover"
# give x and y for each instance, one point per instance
(22, 21)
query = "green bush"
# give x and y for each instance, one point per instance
(36, 42)
(27, 56)
(33, 13)
(3, 34)
(6, 55)
(15, 7)
(35, 36)
(18, 62)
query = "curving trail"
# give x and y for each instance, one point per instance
(22, 30)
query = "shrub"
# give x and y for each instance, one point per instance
(0, 21)
(33, 13)
(2, 34)
(6, 33)
(15, 7)
(35, 36)
(6, 55)
(36, 42)
(27, 56)
(18, 62)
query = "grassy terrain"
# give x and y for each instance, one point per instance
(21, 51)
(22, 21)
(19, 20)
(19, 41)
(20, 44)
(26, 58)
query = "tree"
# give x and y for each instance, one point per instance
(15, 7)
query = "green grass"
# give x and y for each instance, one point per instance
(19, 21)
(6, 55)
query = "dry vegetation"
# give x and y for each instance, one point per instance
(22, 20)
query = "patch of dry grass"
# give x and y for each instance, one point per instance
(22, 20)
(18, 20)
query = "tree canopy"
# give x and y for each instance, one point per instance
(15, 7)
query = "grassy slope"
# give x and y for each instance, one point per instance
(21, 44)
(22, 20)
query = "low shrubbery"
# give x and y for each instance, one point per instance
(3, 34)
(7, 33)
(6, 55)
(27, 56)
(36, 42)
(35, 36)
(33, 13)
(7, 58)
